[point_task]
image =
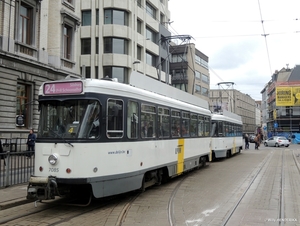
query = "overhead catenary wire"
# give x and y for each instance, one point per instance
(265, 36)
(264, 25)
(246, 35)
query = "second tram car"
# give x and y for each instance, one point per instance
(227, 134)
(110, 138)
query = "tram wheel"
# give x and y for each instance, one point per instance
(228, 155)
(202, 161)
(143, 188)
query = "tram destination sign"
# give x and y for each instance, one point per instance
(63, 88)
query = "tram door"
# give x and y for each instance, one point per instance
(132, 119)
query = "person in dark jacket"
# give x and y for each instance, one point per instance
(257, 141)
(31, 142)
(246, 141)
(2, 152)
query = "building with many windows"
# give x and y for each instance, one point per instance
(237, 102)
(43, 40)
(34, 45)
(189, 70)
(117, 37)
(281, 101)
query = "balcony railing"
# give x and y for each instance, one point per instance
(179, 79)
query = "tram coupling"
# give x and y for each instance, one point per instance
(41, 188)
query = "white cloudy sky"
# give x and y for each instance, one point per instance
(230, 34)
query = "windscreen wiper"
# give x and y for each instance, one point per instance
(60, 136)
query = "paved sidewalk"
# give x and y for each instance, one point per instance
(13, 195)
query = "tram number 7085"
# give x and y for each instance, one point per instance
(53, 170)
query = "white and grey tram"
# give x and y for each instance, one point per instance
(108, 138)
(227, 134)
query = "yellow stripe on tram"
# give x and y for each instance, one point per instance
(234, 146)
(180, 157)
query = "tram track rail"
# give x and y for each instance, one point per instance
(282, 183)
(171, 215)
(29, 211)
(126, 208)
(281, 218)
(263, 164)
(66, 212)
(171, 218)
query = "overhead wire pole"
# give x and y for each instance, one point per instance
(228, 84)
(194, 71)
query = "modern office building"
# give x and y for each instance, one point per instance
(237, 102)
(189, 70)
(117, 37)
(44, 40)
(281, 101)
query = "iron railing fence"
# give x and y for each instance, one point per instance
(15, 165)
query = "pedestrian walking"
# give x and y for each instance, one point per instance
(246, 141)
(31, 143)
(2, 152)
(257, 141)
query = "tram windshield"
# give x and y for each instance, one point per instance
(69, 119)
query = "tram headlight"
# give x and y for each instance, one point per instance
(53, 159)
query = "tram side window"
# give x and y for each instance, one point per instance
(231, 130)
(193, 126)
(185, 129)
(148, 120)
(200, 126)
(163, 122)
(175, 123)
(220, 129)
(94, 122)
(206, 126)
(240, 130)
(234, 130)
(114, 118)
(132, 120)
(89, 121)
(214, 129)
(237, 130)
(226, 126)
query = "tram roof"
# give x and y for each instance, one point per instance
(227, 116)
(144, 82)
(135, 91)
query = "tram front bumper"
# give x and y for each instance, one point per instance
(41, 188)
